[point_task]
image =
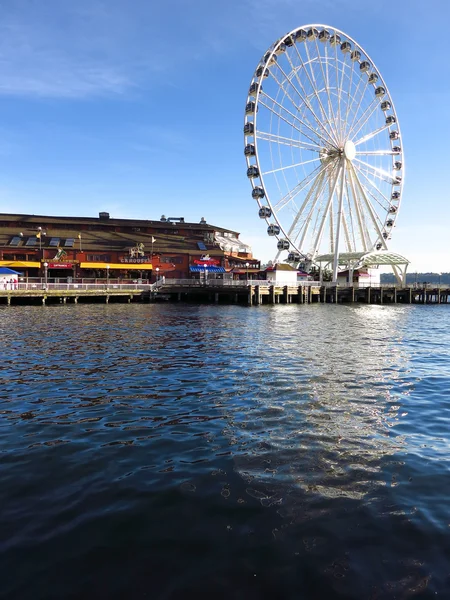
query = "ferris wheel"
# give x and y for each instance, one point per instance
(323, 147)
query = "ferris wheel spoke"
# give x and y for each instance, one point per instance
(315, 195)
(286, 94)
(327, 86)
(280, 116)
(364, 236)
(369, 175)
(305, 99)
(314, 87)
(371, 194)
(340, 95)
(374, 185)
(326, 211)
(299, 187)
(364, 118)
(355, 114)
(315, 132)
(371, 135)
(313, 192)
(380, 173)
(305, 162)
(278, 139)
(317, 183)
(372, 214)
(349, 90)
(338, 89)
(377, 153)
(383, 202)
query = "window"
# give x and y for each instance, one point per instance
(69, 242)
(176, 260)
(201, 246)
(98, 258)
(54, 242)
(32, 241)
(15, 240)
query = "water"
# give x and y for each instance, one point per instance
(176, 451)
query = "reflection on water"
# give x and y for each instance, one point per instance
(301, 451)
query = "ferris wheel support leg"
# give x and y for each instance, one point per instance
(401, 277)
(339, 222)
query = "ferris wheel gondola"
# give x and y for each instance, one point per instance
(323, 147)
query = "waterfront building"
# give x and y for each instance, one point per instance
(282, 273)
(105, 247)
(363, 277)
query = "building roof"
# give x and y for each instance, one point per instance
(365, 259)
(103, 235)
(45, 221)
(281, 267)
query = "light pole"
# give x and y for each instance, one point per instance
(247, 266)
(157, 274)
(39, 236)
(45, 275)
(107, 276)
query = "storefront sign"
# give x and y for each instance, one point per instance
(127, 259)
(209, 262)
(59, 265)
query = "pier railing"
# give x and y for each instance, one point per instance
(236, 283)
(81, 286)
(119, 285)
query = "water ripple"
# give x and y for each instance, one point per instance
(159, 450)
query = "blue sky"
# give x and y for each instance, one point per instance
(136, 107)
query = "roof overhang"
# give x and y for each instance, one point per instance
(365, 259)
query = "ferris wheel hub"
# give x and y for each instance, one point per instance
(326, 155)
(349, 150)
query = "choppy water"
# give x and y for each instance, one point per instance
(174, 451)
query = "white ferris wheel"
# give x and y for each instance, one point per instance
(323, 149)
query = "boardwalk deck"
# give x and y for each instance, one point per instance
(255, 293)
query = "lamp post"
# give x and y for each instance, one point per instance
(45, 275)
(107, 276)
(247, 266)
(157, 274)
(39, 236)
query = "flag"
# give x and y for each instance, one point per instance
(38, 235)
(153, 239)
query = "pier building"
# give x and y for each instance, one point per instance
(71, 248)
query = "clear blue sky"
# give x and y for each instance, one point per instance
(136, 107)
